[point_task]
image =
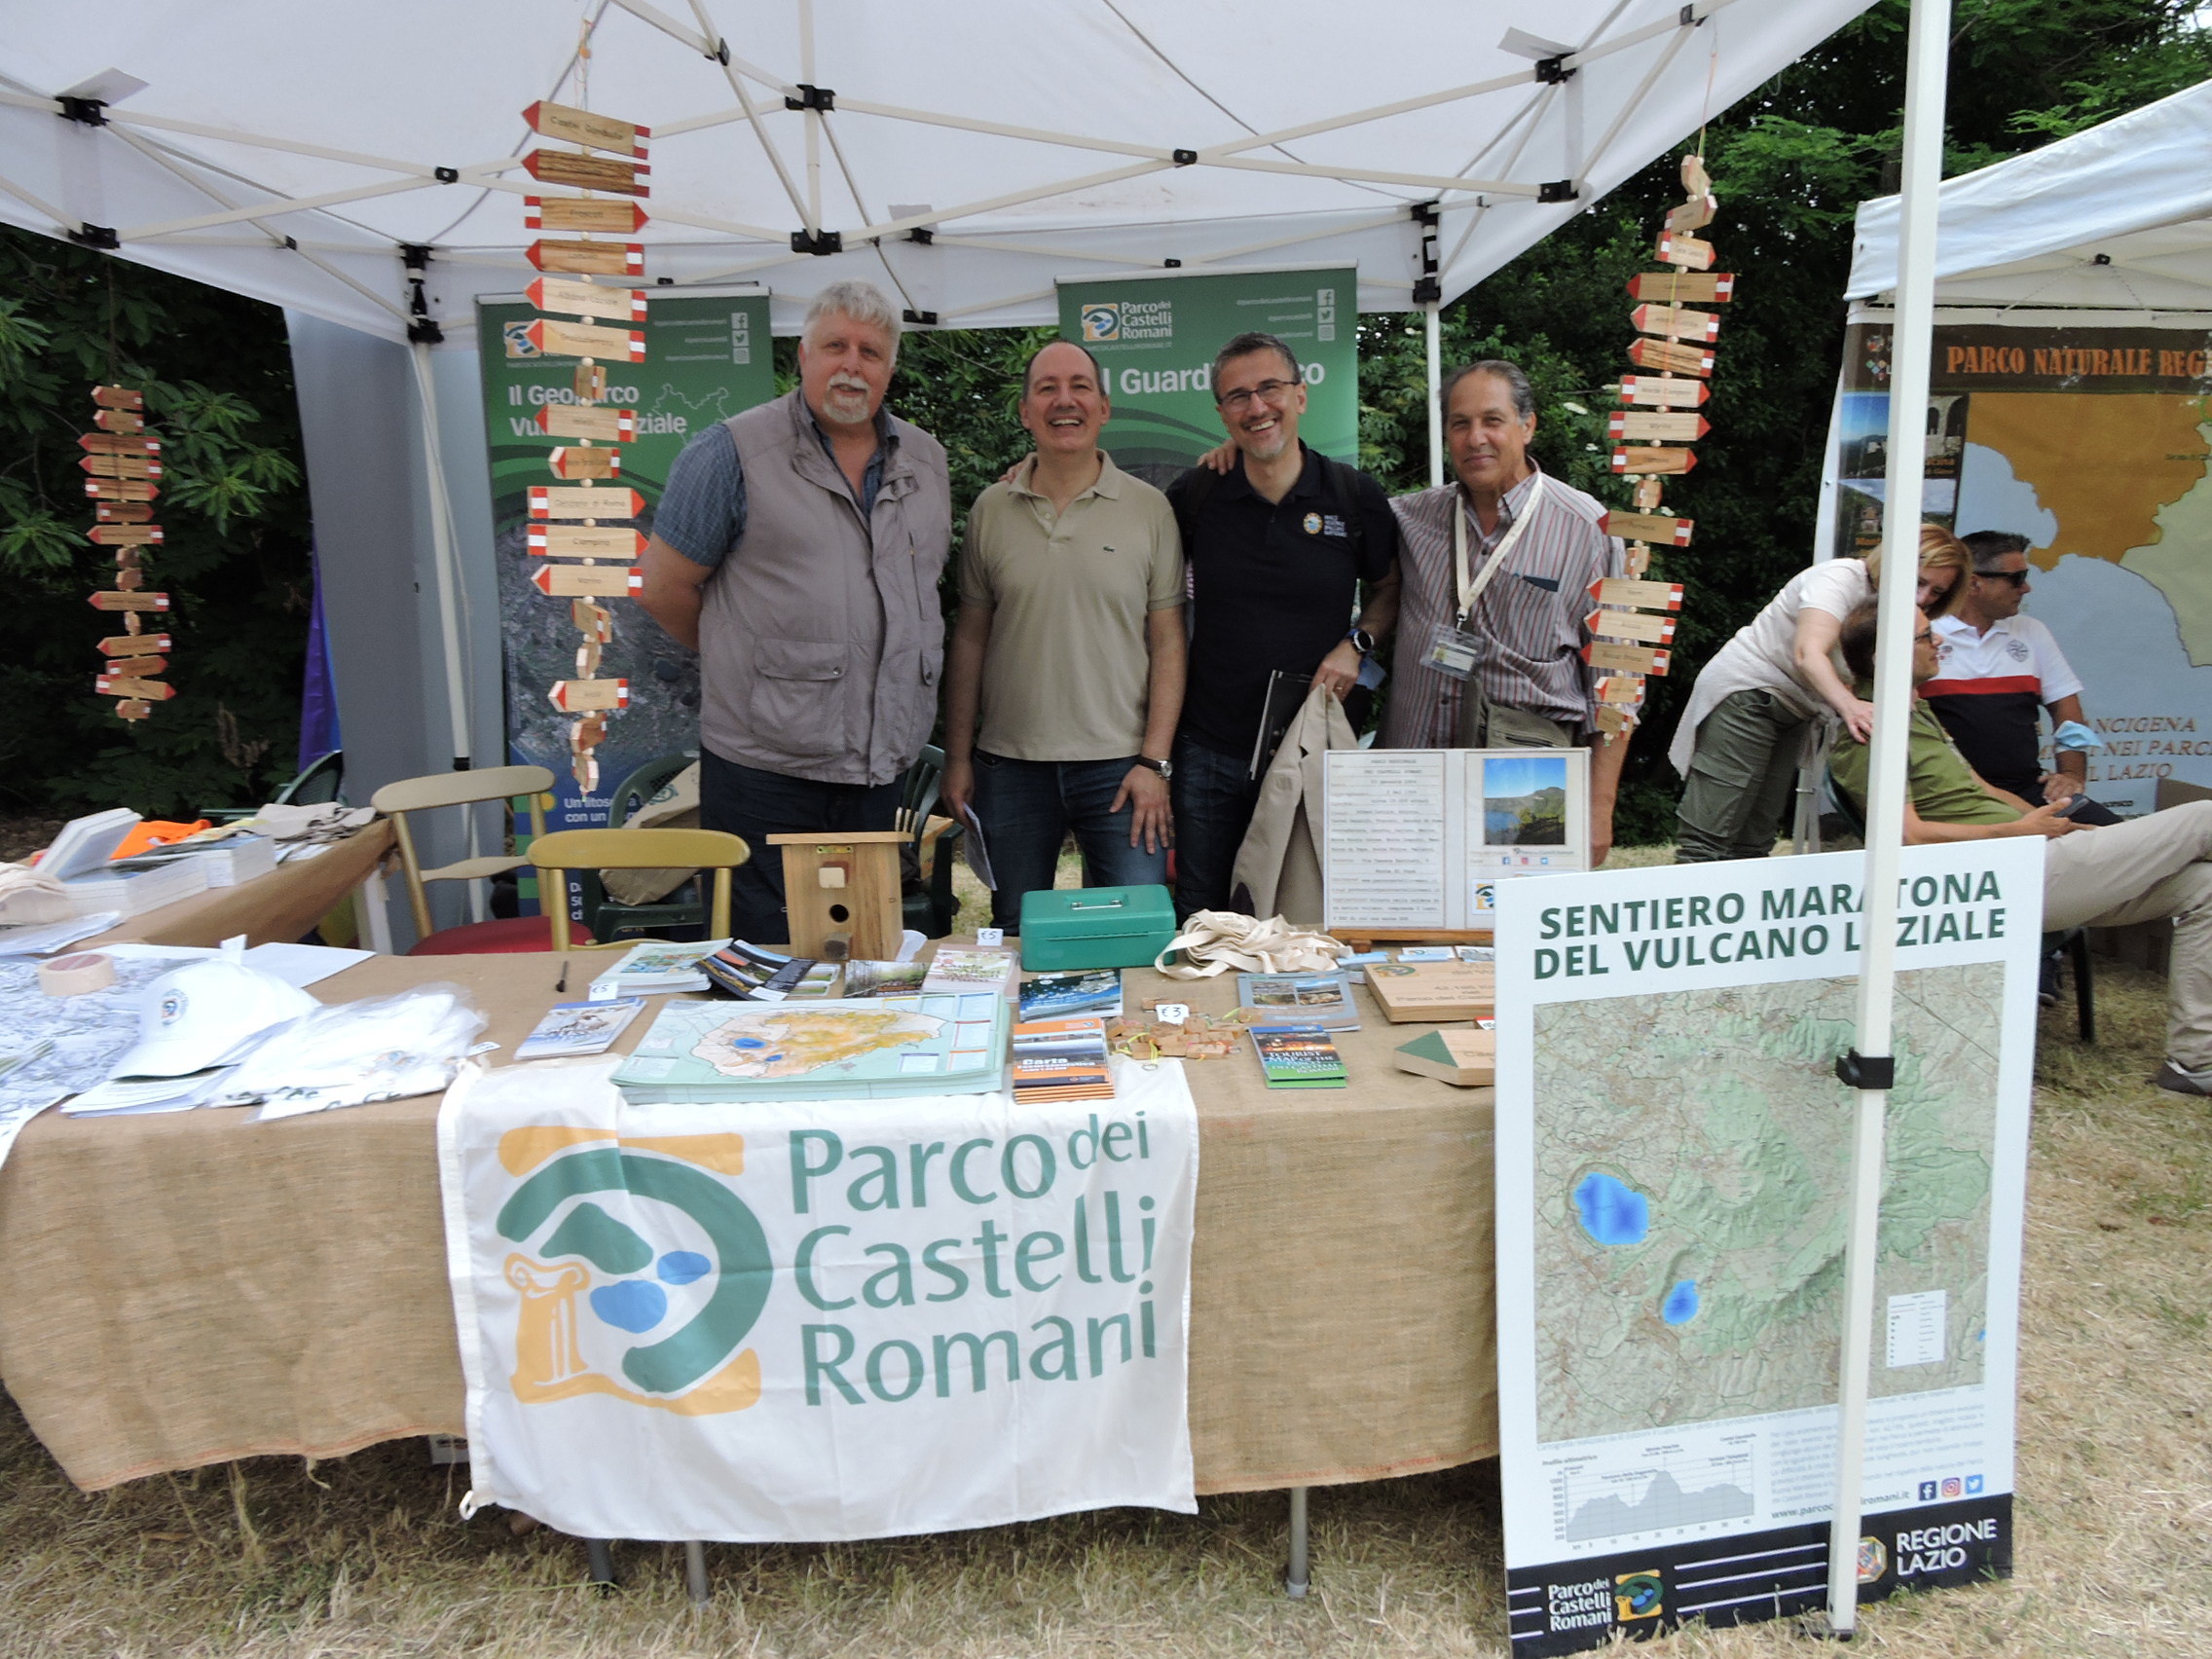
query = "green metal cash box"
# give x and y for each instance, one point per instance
(1094, 927)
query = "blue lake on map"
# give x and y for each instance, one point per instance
(1612, 1212)
(1681, 1306)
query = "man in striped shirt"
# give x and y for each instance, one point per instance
(1518, 627)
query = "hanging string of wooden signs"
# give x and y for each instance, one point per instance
(582, 528)
(1652, 431)
(123, 472)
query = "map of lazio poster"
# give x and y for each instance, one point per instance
(2093, 443)
(1673, 1183)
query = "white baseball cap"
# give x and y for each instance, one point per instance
(207, 1012)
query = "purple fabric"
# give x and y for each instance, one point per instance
(318, 694)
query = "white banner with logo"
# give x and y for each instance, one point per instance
(816, 1321)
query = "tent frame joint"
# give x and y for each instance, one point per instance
(86, 112)
(1558, 190)
(1866, 1071)
(97, 235)
(921, 236)
(1186, 158)
(920, 319)
(1556, 71)
(812, 97)
(819, 243)
(446, 175)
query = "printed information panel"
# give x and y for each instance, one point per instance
(1672, 1207)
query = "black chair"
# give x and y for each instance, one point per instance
(322, 779)
(926, 867)
(2067, 947)
(680, 913)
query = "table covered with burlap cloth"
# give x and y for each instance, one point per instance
(190, 1287)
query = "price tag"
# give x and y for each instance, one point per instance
(1171, 1013)
(990, 939)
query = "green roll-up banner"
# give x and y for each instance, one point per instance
(1156, 337)
(707, 357)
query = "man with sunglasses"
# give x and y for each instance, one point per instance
(1282, 541)
(1997, 670)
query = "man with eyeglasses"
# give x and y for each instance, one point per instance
(2157, 868)
(1282, 542)
(1997, 670)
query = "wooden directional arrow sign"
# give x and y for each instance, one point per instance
(588, 298)
(1643, 595)
(549, 501)
(596, 462)
(597, 173)
(125, 535)
(570, 421)
(134, 644)
(575, 541)
(121, 489)
(123, 513)
(1669, 356)
(1666, 429)
(1676, 249)
(123, 685)
(1696, 181)
(112, 443)
(594, 622)
(1625, 659)
(1666, 393)
(1694, 214)
(597, 581)
(1644, 459)
(577, 696)
(588, 258)
(1662, 528)
(1624, 689)
(128, 601)
(122, 465)
(1631, 625)
(1704, 289)
(117, 420)
(117, 398)
(584, 340)
(1676, 322)
(581, 126)
(582, 213)
(141, 666)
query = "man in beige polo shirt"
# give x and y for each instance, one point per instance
(1069, 652)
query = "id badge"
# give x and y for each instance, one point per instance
(1451, 653)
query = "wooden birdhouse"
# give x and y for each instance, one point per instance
(841, 894)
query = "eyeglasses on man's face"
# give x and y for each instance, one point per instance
(1268, 392)
(2018, 579)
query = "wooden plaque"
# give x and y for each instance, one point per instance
(134, 644)
(121, 489)
(575, 421)
(1671, 356)
(581, 541)
(586, 463)
(1624, 659)
(587, 299)
(1696, 181)
(604, 173)
(141, 666)
(581, 126)
(594, 622)
(129, 602)
(582, 213)
(117, 397)
(588, 258)
(1433, 991)
(1676, 249)
(128, 685)
(122, 465)
(1676, 322)
(1694, 214)
(1644, 596)
(1624, 689)
(1672, 287)
(1644, 459)
(125, 535)
(1665, 429)
(117, 420)
(107, 443)
(551, 501)
(577, 696)
(1640, 625)
(596, 581)
(584, 340)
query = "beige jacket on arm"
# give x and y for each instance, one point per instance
(1279, 864)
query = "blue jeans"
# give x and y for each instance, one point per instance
(1213, 809)
(747, 801)
(1027, 807)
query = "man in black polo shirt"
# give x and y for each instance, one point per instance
(1279, 548)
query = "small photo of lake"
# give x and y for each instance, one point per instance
(1524, 800)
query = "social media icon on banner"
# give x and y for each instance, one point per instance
(1928, 1492)
(1951, 1486)
(1973, 1485)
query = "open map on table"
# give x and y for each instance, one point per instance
(52, 1047)
(819, 1050)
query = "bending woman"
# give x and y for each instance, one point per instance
(1739, 742)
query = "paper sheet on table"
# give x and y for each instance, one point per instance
(54, 936)
(302, 965)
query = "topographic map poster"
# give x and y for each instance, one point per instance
(1673, 1181)
(2092, 441)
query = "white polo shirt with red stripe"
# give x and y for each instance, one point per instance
(1989, 691)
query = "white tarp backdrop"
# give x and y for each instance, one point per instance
(287, 152)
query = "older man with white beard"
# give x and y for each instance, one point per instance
(797, 548)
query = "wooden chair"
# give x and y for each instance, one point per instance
(704, 850)
(464, 789)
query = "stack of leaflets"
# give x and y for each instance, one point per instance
(570, 1029)
(750, 973)
(883, 979)
(1322, 1000)
(1064, 996)
(819, 1050)
(1061, 1059)
(657, 965)
(1298, 1056)
(956, 969)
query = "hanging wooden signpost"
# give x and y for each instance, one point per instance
(117, 397)
(121, 461)
(587, 299)
(581, 541)
(1674, 248)
(1672, 287)
(603, 426)
(133, 645)
(581, 126)
(1668, 428)
(588, 258)
(1663, 392)
(1676, 322)
(1651, 462)
(140, 465)
(1670, 358)
(595, 581)
(126, 686)
(593, 172)
(1641, 625)
(581, 696)
(585, 340)
(586, 463)
(582, 213)
(121, 489)
(125, 535)
(1649, 527)
(1624, 659)
(584, 502)
(119, 443)
(130, 601)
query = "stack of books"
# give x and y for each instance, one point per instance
(1064, 996)
(1294, 1056)
(656, 967)
(1061, 1059)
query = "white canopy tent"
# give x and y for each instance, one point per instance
(2117, 218)
(962, 152)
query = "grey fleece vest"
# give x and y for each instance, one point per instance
(821, 638)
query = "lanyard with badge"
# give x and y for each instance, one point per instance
(1453, 650)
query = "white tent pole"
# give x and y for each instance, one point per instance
(442, 558)
(1433, 325)
(1911, 347)
(813, 117)
(753, 115)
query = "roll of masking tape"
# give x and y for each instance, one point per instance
(74, 976)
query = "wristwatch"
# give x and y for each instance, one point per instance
(1363, 642)
(1166, 768)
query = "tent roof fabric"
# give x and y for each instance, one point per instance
(289, 152)
(2116, 218)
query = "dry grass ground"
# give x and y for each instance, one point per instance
(367, 1556)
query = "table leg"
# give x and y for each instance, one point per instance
(1297, 1579)
(695, 1571)
(602, 1561)
(375, 919)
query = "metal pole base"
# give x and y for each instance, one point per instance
(1297, 1579)
(602, 1559)
(695, 1572)
(1818, 1626)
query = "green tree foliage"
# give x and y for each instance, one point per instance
(217, 379)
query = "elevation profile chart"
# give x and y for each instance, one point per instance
(1659, 1489)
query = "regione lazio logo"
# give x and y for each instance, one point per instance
(652, 1305)
(1102, 321)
